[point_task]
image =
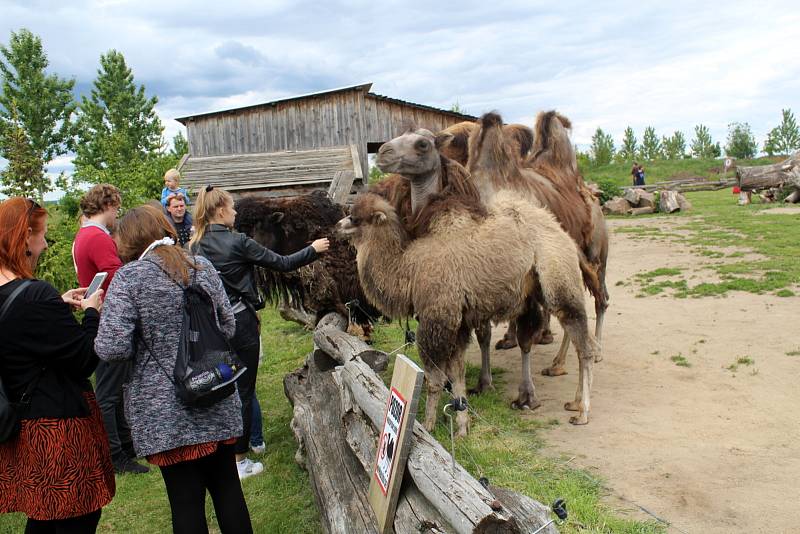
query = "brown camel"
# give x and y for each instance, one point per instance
(548, 178)
(452, 280)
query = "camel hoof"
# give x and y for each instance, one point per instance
(526, 402)
(579, 419)
(505, 344)
(598, 358)
(546, 339)
(573, 406)
(554, 371)
(480, 388)
(430, 426)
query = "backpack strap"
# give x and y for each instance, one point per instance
(25, 399)
(14, 294)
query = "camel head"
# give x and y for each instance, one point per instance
(414, 153)
(261, 220)
(369, 213)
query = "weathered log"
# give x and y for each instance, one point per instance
(302, 317)
(451, 490)
(766, 176)
(337, 413)
(616, 206)
(632, 196)
(341, 494)
(341, 346)
(668, 201)
(793, 197)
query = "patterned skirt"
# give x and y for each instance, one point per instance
(186, 453)
(57, 468)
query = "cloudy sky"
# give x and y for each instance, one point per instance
(603, 64)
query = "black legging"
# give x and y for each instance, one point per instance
(83, 524)
(187, 483)
(246, 343)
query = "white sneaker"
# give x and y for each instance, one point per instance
(248, 468)
(259, 449)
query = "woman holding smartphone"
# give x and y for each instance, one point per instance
(235, 256)
(57, 469)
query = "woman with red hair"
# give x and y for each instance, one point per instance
(57, 468)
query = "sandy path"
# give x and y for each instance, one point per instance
(707, 449)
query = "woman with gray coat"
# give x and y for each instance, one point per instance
(193, 447)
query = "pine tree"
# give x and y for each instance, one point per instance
(651, 146)
(629, 148)
(785, 138)
(180, 146)
(602, 148)
(702, 145)
(24, 170)
(119, 133)
(35, 109)
(675, 146)
(741, 142)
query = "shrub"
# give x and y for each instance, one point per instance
(608, 190)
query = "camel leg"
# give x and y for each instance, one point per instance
(546, 335)
(456, 373)
(436, 380)
(557, 368)
(484, 335)
(529, 324)
(576, 325)
(509, 340)
(600, 311)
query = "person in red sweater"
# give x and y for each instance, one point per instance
(94, 251)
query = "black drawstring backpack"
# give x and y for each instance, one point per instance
(206, 368)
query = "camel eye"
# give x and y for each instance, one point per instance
(355, 220)
(422, 145)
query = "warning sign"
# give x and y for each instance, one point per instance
(387, 445)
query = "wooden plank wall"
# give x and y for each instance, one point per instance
(274, 170)
(329, 120)
(386, 120)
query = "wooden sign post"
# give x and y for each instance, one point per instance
(395, 440)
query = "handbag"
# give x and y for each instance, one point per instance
(10, 411)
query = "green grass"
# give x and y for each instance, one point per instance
(716, 223)
(502, 445)
(680, 360)
(793, 353)
(744, 360)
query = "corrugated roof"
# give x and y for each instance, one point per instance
(360, 87)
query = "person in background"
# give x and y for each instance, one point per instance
(235, 256)
(635, 173)
(640, 176)
(94, 251)
(57, 469)
(192, 446)
(172, 180)
(257, 444)
(178, 216)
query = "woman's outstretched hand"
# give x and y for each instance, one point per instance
(321, 245)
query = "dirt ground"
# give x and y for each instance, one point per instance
(704, 448)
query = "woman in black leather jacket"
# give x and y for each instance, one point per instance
(235, 257)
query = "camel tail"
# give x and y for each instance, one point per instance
(591, 280)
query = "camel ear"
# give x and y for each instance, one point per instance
(379, 217)
(276, 217)
(442, 139)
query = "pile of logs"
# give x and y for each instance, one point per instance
(689, 184)
(339, 403)
(774, 180)
(637, 201)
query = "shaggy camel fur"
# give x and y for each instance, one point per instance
(495, 168)
(286, 225)
(457, 149)
(452, 280)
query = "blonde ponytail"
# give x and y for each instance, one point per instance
(209, 200)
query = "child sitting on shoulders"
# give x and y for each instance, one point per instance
(172, 186)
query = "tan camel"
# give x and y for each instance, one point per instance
(453, 282)
(548, 178)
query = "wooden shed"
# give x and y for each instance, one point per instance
(283, 147)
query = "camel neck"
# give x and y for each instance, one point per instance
(424, 186)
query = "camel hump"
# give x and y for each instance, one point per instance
(552, 145)
(491, 119)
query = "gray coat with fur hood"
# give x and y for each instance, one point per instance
(143, 302)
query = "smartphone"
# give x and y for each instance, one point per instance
(97, 281)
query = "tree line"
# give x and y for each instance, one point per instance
(741, 143)
(113, 132)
